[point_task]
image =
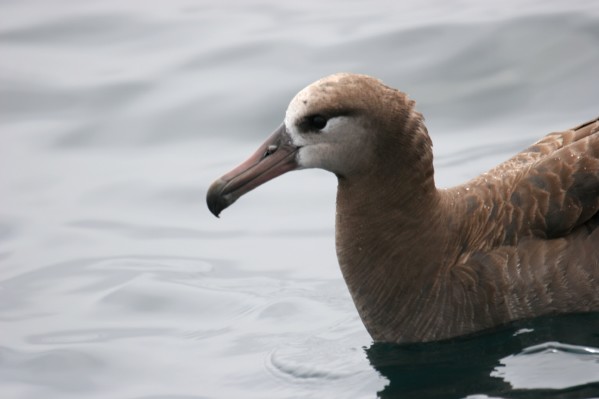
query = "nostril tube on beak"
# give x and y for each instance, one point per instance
(269, 150)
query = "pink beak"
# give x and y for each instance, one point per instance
(273, 158)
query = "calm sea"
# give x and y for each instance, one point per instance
(115, 116)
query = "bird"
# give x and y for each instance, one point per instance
(424, 263)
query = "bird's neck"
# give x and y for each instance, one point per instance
(391, 246)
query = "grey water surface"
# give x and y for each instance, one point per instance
(115, 116)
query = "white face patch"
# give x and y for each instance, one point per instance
(331, 148)
(294, 134)
(318, 148)
(295, 110)
(305, 158)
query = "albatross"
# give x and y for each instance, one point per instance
(426, 264)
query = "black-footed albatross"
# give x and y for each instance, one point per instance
(421, 263)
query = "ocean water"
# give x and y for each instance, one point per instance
(115, 117)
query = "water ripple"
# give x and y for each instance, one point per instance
(64, 370)
(317, 358)
(81, 336)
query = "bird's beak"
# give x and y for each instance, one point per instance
(273, 158)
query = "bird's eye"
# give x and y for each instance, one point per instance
(317, 122)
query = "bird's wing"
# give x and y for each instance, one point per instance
(546, 146)
(560, 191)
(551, 187)
(544, 191)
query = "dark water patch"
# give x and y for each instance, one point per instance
(476, 364)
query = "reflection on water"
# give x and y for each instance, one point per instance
(115, 116)
(512, 362)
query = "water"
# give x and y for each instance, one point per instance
(115, 281)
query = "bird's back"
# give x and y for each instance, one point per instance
(533, 234)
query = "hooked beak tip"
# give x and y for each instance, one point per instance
(215, 212)
(215, 199)
(273, 158)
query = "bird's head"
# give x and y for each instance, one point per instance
(334, 124)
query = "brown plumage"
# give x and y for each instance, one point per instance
(421, 263)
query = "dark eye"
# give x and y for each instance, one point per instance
(317, 122)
